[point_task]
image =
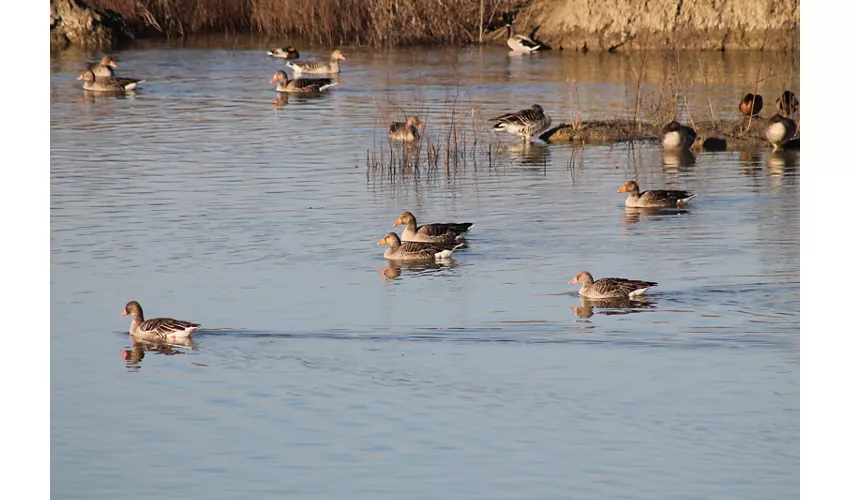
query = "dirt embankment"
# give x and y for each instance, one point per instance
(663, 24)
(73, 22)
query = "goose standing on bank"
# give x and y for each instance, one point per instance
(300, 84)
(780, 130)
(287, 53)
(787, 103)
(157, 328)
(519, 43)
(410, 251)
(447, 232)
(677, 137)
(319, 67)
(405, 131)
(750, 105)
(610, 288)
(526, 123)
(107, 84)
(654, 198)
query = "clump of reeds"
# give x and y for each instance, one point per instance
(453, 139)
(360, 22)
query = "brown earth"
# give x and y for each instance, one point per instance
(663, 24)
(72, 22)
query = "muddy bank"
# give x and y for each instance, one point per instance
(73, 22)
(595, 25)
(599, 25)
(718, 135)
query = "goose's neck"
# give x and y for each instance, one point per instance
(510, 30)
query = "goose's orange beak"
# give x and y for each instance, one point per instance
(572, 282)
(383, 241)
(622, 188)
(397, 222)
(113, 64)
(124, 312)
(80, 77)
(341, 57)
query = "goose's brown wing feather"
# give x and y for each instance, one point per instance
(314, 84)
(620, 287)
(523, 117)
(438, 229)
(165, 326)
(670, 196)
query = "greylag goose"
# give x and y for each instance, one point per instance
(319, 67)
(787, 103)
(405, 131)
(447, 232)
(519, 43)
(654, 198)
(107, 84)
(300, 84)
(677, 137)
(526, 123)
(610, 288)
(103, 68)
(750, 105)
(415, 251)
(780, 130)
(287, 53)
(157, 328)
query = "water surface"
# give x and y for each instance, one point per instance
(317, 376)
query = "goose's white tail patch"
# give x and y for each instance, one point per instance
(639, 291)
(323, 87)
(684, 201)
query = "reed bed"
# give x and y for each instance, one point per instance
(329, 22)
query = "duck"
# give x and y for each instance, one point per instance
(526, 123)
(103, 68)
(107, 84)
(447, 232)
(318, 67)
(787, 103)
(411, 251)
(519, 43)
(300, 84)
(287, 53)
(610, 288)
(677, 137)
(780, 130)
(405, 131)
(654, 198)
(157, 328)
(750, 105)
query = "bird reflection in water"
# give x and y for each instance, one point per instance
(633, 214)
(531, 154)
(672, 161)
(611, 306)
(133, 357)
(782, 165)
(394, 269)
(750, 162)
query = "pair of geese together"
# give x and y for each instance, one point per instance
(305, 85)
(100, 77)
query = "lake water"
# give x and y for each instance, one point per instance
(321, 372)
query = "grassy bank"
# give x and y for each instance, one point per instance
(330, 22)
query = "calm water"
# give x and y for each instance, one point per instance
(318, 377)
